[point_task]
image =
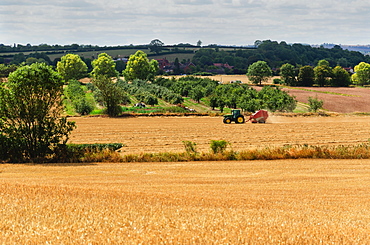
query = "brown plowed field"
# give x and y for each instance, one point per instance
(341, 100)
(165, 134)
(345, 100)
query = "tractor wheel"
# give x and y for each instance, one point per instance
(240, 119)
(227, 120)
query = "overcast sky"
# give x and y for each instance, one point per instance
(226, 22)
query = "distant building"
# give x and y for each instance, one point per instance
(169, 67)
(226, 65)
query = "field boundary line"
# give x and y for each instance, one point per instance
(322, 92)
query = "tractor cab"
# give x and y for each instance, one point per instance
(235, 116)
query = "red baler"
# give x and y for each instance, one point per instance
(259, 117)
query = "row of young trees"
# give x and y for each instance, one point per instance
(324, 75)
(230, 95)
(251, 100)
(321, 75)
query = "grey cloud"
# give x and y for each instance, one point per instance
(193, 2)
(173, 21)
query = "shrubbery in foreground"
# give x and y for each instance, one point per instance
(109, 154)
(73, 153)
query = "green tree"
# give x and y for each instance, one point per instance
(150, 99)
(213, 101)
(5, 70)
(71, 67)
(197, 93)
(156, 46)
(32, 60)
(323, 63)
(76, 94)
(104, 65)
(362, 74)
(177, 69)
(109, 94)
(274, 99)
(18, 59)
(139, 67)
(342, 62)
(315, 104)
(154, 67)
(221, 103)
(340, 78)
(322, 75)
(32, 127)
(251, 104)
(306, 76)
(287, 74)
(259, 72)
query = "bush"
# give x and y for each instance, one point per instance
(76, 94)
(190, 147)
(82, 152)
(219, 146)
(83, 107)
(315, 104)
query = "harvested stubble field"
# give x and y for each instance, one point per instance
(165, 134)
(302, 201)
(238, 202)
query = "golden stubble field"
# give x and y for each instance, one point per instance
(302, 201)
(239, 202)
(165, 134)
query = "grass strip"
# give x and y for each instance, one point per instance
(322, 92)
(361, 151)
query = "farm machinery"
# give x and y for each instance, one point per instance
(235, 116)
(259, 116)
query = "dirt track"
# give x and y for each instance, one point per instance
(165, 134)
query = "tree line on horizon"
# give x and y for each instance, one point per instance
(204, 59)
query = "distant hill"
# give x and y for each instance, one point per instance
(365, 49)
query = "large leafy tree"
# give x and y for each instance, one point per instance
(197, 93)
(139, 67)
(156, 46)
(287, 74)
(306, 76)
(275, 99)
(104, 65)
(71, 67)
(32, 127)
(322, 74)
(323, 63)
(340, 78)
(259, 72)
(362, 74)
(110, 94)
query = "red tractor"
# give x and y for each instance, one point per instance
(259, 117)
